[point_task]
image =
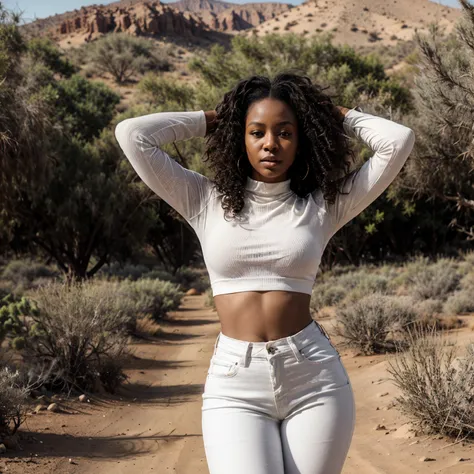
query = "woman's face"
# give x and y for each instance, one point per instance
(270, 132)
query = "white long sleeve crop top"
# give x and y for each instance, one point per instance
(278, 241)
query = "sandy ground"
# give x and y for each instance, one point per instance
(154, 424)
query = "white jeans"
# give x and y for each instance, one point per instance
(277, 407)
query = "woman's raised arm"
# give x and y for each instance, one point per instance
(141, 138)
(391, 143)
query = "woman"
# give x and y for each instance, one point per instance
(277, 399)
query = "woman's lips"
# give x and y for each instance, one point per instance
(270, 164)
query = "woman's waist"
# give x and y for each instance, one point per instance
(311, 333)
(262, 316)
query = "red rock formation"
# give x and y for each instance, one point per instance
(151, 18)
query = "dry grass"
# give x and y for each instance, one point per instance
(437, 385)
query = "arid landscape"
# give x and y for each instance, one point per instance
(107, 317)
(354, 23)
(153, 423)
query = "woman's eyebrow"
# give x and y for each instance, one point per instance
(279, 123)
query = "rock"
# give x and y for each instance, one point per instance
(380, 427)
(11, 442)
(426, 459)
(82, 398)
(405, 431)
(53, 407)
(39, 408)
(3, 449)
(384, 394)
(463, 459)
(42, 399)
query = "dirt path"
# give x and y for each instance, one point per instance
(154, 424)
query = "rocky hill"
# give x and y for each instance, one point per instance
(231, 17)
(361, 22)
(355, 22)
(186, 18)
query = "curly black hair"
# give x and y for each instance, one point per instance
(323, 145)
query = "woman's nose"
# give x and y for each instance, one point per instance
(270, 143)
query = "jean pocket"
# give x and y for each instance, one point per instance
(224, 365)
(327, 362)
(318, 352)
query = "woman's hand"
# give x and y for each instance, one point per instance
(210, 121)
(341, 112)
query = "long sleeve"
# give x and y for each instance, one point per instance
(140, 139)
(391, 143)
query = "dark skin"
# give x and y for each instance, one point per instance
(261, 316)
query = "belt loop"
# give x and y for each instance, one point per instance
(244, 361)
(295, 350)
(216, 343)
(323, 331)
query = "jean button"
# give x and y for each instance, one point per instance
(271, 350)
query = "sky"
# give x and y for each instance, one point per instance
(43, 8)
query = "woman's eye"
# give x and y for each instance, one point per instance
(285, 133)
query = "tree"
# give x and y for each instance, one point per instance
(348, 74)
(442, 165)
(122, 56)
(65, 186)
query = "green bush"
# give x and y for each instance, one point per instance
(11, 325)
(122, 56)
(151, 297)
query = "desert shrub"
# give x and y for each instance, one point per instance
(13, 401)
(151, 297)
(436, 280)
(467, 282)
(122, 271)
(437, 388)
(11, 325)
(371, 323)
(189, 277)
(338, 270)
(160, 90)
(327, 294)
(77, 330)
(460, 302)
(428, 308)
(409, 269)
(209, 301)
(439, 322)
(44, 50)
(122, 56)
(22, 274)
(367, 284)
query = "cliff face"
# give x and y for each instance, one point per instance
(142, 18)
(185, 18)
(229, 17)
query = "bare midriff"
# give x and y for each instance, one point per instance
(261, 316)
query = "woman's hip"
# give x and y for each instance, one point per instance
(276, 377)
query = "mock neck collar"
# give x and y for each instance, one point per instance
(267, 189)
